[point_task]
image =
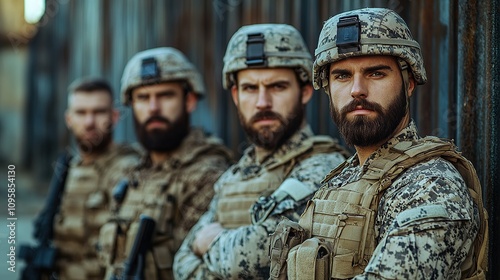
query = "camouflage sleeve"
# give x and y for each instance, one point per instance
(187, 265)
(429, 223)
(198, 191)
(242, 253)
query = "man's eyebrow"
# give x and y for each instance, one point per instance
(377, 67)
(364, 70)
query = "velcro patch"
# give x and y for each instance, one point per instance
(423, 212)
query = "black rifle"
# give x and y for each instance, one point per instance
(136, 261)
(40, 259)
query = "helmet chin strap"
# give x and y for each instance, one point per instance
(406, 81)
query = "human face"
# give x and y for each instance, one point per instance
(161, 115)
(368, 102)
(271, 104)
(90, 117)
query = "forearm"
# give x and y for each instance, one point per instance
(242, 252)
(187, 265)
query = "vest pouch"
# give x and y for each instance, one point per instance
(70, 227)
(95, 210)
(107, 243)
(309, 260)
(166, 208)
(163, 258)
(353, 233)
(287, 235)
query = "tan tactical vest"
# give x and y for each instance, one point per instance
(237, 197)
(83, 210)
(155, 193)
(341, 221)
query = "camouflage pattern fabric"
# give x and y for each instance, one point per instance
(242, 253)
(175, 193)
(84, 209)
(382, 32)
(410, 246)
(170, 65)
(282, 46)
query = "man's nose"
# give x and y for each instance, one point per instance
(264, 100)
(359, 89)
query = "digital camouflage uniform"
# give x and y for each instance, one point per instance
(85, 208)
(413, 210)
(175, 194)
(241, 252)
(425, 221)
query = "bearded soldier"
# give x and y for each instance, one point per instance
(267, 68)
(86, 191)
(403, 207)
(173, 184)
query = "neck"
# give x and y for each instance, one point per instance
(364, 152)
(261, 153)
(159, 157)
(91, 157)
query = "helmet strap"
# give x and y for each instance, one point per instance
(406, 80)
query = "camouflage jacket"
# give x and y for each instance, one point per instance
(242, 252)
(174, 193)
(84, 209)
(430, 249)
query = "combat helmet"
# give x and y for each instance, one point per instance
(266, 46)
(369, 31)
(159, 65)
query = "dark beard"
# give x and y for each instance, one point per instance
(162, 140)
(95, 146)
(270, 139)
(363, 131)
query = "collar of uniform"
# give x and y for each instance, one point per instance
(184, 153)
(409, 133)
(248, 162)
(100, 160)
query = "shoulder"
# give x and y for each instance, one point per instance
(201, 145)
(434, 182)
(318, 164)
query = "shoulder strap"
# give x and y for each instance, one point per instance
(407, 154)
(316, 144)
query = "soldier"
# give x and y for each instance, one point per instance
(267, 68)
(403, 207)
(173, 184)
(92, 172)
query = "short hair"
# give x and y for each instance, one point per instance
(90, 84)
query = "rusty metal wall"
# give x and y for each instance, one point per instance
(94, 37)
(478, 100)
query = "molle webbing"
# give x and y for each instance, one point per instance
(237, 197)
(345, 216)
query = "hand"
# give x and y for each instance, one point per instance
(205, 237)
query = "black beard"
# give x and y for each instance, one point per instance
(95, 146)
(363, 131)
(162, 140)
(270, 139)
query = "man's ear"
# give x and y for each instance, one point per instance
(411, 86)
(191, 101)
(234, 94)
(307, 92)
(115, 116)
(67, 118)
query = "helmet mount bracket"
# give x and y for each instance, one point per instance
(255, 50)
(149, 69)
(348, 34)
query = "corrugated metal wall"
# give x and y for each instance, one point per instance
(93, 37)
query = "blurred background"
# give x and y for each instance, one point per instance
(46, 44)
